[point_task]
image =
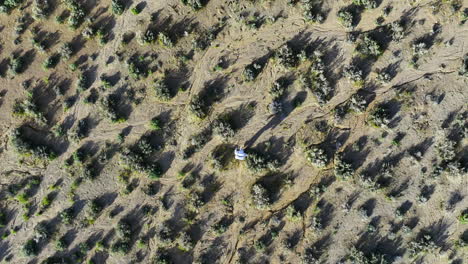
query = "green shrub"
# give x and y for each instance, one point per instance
(118, 7)
(77, 13)
(357, 103)
(343, 170)
(3, 219)
(135, 11)
(368, 4)
(251, 71)
(66, 51)
(278, 89)
(155, 124)
(354, 74)
(197, 107)
(195, 4)
(162, 90)
(463, 218)
(148, 37)
(61, 244)
(464, 66)
(380, 117)
(27, 108)
(316, 81)
(258, 162)
(30, 248)
(346, 18)
(51, 61)
(46, 201)
(369, 47)
(82, 83)
(17, 65)
(223, 128)
(165, 40)
(40, 9)
(286, 56)
(67, 215)
(26, 147)
(317, 157)
(311, 12)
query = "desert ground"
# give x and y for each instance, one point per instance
(119, 120)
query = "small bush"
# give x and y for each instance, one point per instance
(82, 83)
(155, 124)
(342, 169)
(67, 215)
(222, 127)
(195, 4)
(464, 66)
(258, 162)
(354, 74)
(88, 32)
(135, 11)
(148, 37)
(317, 157)
(198, 107)
(316, 80)
(77, 13)
(419, 48)
(358, 257)
(3, 219)
(367, 4)
(165, 40)
(275, 107)
(17, 65)
(260, 197)
(463, 218)
(383, 77)
(40, 9)
(369, 47)
(80, 131)
(66, 51)
(185, 242)
(346, 18)
(30, 248)
(251, 71)
(109, 105)
(61, 244)
(135, 159)
(380, 117)
(293, 214)
(398, 31)
(424, 244)
(51, 61)
(95, 208)
(124, 230)
(121, 246)
(286, 56)
(118, 7)
(26, 147)
(357, 103)
(278, 89)
(137, 68)
(162, 91)
(311, 12)
(28, 108)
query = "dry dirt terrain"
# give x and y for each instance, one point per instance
(119, 120)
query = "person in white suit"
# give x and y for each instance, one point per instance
(240, 154)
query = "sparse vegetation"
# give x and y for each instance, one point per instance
(122, 125)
